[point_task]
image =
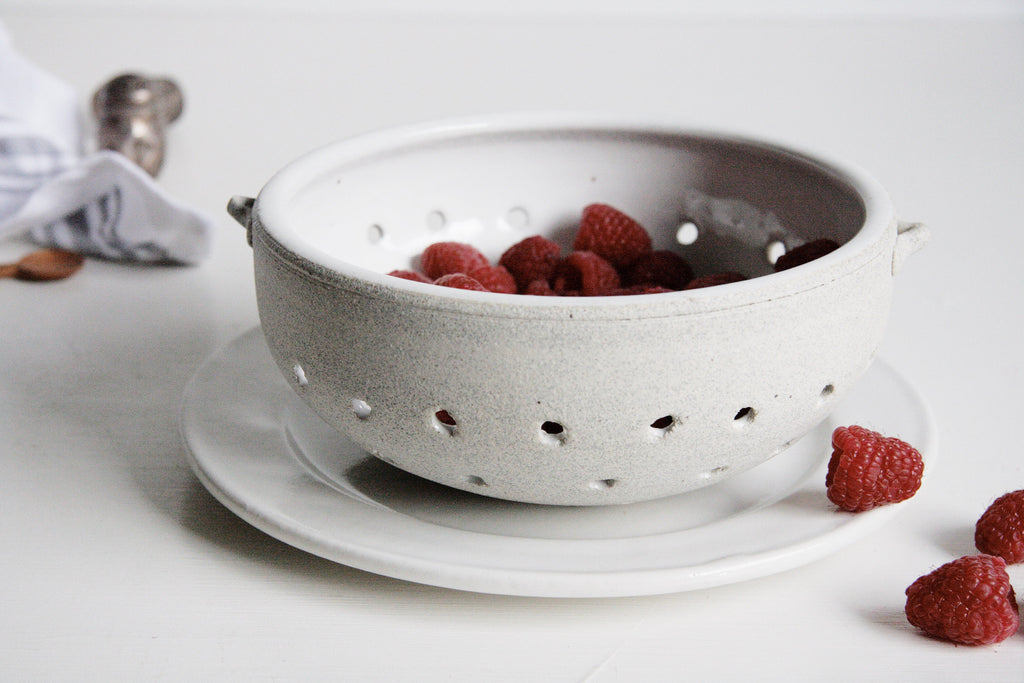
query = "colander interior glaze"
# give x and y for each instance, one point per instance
(571, 401)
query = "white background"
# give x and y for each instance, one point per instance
(584, 8)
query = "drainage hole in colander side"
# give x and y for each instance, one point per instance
(475, 480)
(663, 425)
(299, 375)
(436, 221)
(375, 233)
(517, 217)
(773, 250)
(744, 416)
(781, 448)
(552, 432)
(444, 422)
(687, 232)
(827, 391)
(714, 472)
(361, 408)
(603, 484)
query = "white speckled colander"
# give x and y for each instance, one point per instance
(573, 401)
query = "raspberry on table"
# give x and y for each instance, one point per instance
(867, 469)
(662, 267)
(587, 273)
(460, 281)
(612, 235)
(714, 280)
(409, 275)
(805, 253)
(968, 601)
(533, 258)
(495, 279)
(1000, 529)
(444, 258)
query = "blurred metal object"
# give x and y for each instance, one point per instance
(133, 112)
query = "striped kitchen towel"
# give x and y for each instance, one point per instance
(96, 203)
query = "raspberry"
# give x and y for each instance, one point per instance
(444, 258)
(533, 258)
(539, 288)
(642, 289)
(1000, 530)
(714, 280)
(409, 275)
(587, 273)
(968, 601)
(805, 253)
(460, 281)
(665, 268)
(495, 279)
(612, 235)
(868, 470)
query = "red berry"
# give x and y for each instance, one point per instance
(533, 258)
(612, 235)
(1000, 530)
(587, 273)
(968, 601)
(409, 275)
(665, 268)
(539, 288)
(444, 258)
(714, 280)
(805, 253)
(868, 470)
(495, 279)
(642, 289)
(460, 281)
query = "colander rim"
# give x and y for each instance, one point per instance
(271, 220)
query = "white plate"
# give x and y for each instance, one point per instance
(268, 458)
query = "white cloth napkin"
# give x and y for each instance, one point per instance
(56, 193)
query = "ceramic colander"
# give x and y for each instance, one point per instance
(571, 401)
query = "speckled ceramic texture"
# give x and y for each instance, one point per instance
(571, 401)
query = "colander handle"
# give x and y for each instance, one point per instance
(240, 208)
(909, 238)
